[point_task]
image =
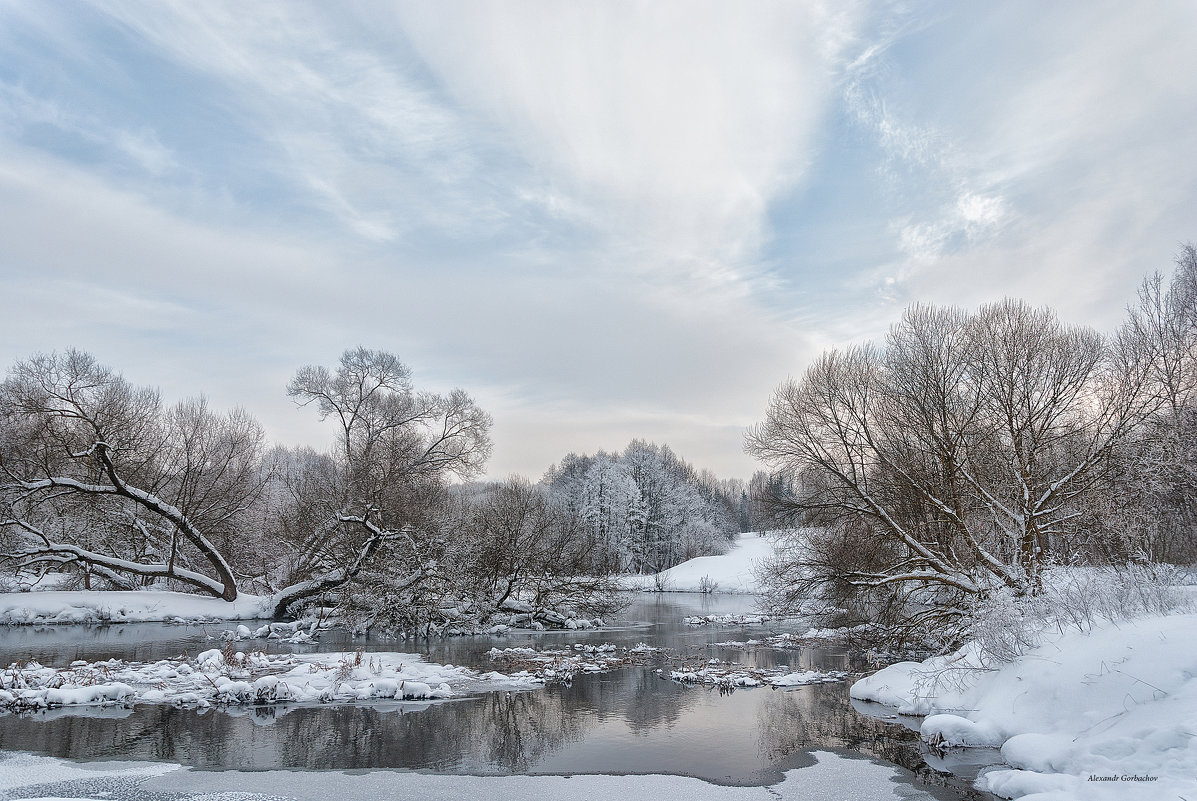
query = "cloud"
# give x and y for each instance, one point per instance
(1019, 141)
(342, 119)
(674, 125)
(194, 308)
(23, 114)
(616, 220)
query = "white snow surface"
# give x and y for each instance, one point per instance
(733, 674)
(18, 771)
(82, 606)
(732, 572)
(832, 778)
(1104, 714)
(248, 678)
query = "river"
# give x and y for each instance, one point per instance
(627, 721)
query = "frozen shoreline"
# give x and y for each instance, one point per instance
(1103, 714)
(119, 606)
(832, 777)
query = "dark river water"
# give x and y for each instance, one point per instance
(627, 721)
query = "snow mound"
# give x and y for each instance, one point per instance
(1104, 713)
(221, 678)
(732, 572)
(804, 677)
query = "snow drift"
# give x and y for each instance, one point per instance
(1107, 713)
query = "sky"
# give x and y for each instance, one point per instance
(604, 220)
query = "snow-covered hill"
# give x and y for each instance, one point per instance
(733, 571)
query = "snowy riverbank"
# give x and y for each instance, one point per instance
(155, 606)
(732, 572)
(1104, 714)
(144, 606)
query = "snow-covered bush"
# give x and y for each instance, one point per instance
(1005, 626)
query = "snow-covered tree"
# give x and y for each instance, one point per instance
(99, 474)
(393, 449)
(645, 508)
(967, 445)
(1159, 476)
(608, 506)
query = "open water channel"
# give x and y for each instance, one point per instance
(628, 721)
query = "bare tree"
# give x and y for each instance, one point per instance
(522, 545)
(967, 444)
(96, 473)
(393, 445)
(1159, 477)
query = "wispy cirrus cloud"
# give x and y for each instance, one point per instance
(1020, 140)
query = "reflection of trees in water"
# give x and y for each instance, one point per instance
(519, 729)
(818, 716)
(147, 732)
(134, 642)
(506, 731)
(821, 716)
(497, 732)
(650, 701)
